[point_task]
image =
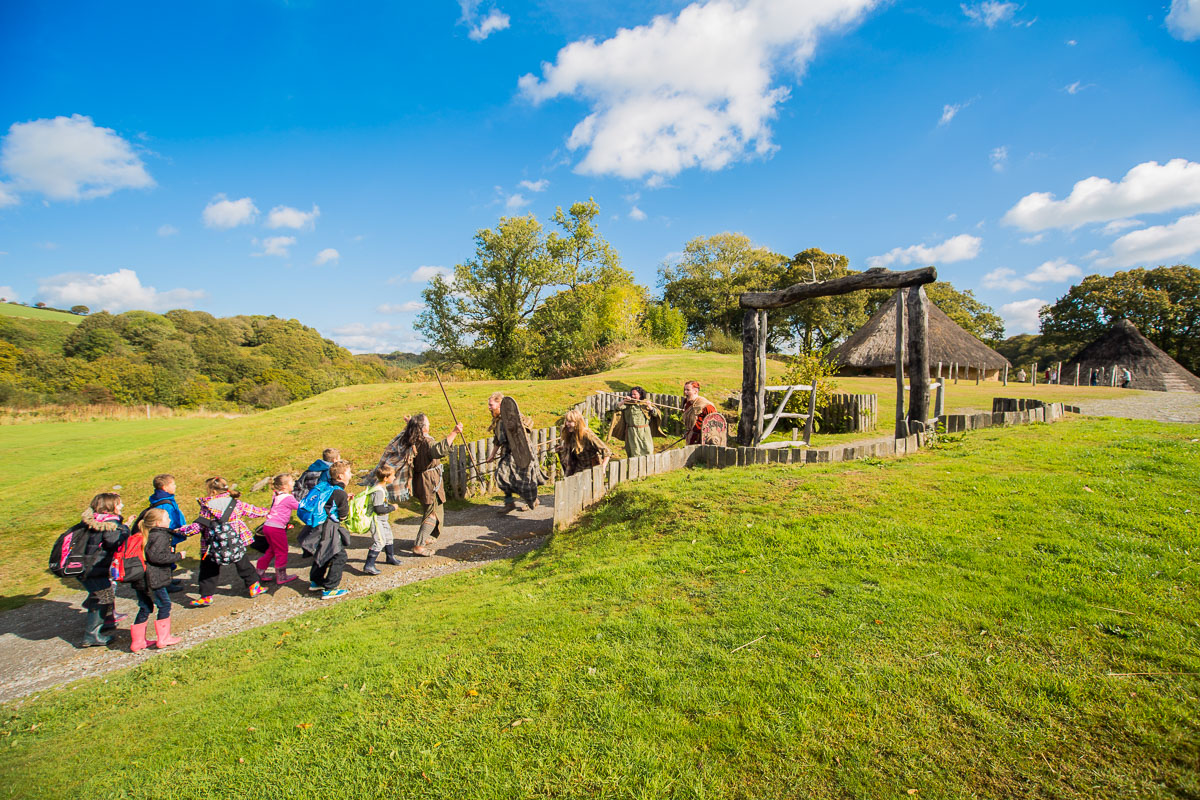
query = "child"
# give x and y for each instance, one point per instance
(317, 472)
(211, 509)
(151, 591)
(329, 541)
(164, 498)
(381, 529)
(106, 531)
(275, 529)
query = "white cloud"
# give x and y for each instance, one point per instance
(377, 337)
(637, 214)
(1118, 225)
(275, 246)
(689, 90)
(515, 202)
(7, 196)
(401, 308)
(1183, 21)
(1056, 271)
(288, 217)
(957, 248)
(1157, 245)
(69, 158)
(999, 158)
(1071, 42)
(222, 212)
(8, 293)
(990, 13)
(1146, 189)
(1022, 316)
(536, 186)
(1076, 87)
(426, 274)
(327, 255)
(1035, 239)
(950, 111)
(167, 230)
(1004, 278)
(496, 20)
(117, 291)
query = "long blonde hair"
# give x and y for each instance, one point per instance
(576, 439)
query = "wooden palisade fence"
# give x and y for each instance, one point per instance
(850, 413)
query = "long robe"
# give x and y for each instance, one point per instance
(428, 487)
(639, 439)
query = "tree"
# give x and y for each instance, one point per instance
(80, 310)
(1164, 304)
(480, 318)
(664, 325)
(581, 253)
(706, 283)
(819, 322)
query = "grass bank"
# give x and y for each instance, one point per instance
(1012, 614)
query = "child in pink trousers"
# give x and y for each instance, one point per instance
(275, 529)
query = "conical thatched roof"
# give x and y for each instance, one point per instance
(1124, 347)
(873, 346)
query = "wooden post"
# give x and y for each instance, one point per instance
(1077, 365)
(978, 373)
(1058, 374)
(918, 356)
(1006, 374)
(751, 416)
(1033, 375)
(762, 375)
(901, 425)
(955, 371)
(812, 414)
(1112, 377)
(939, 400)
(939, 370)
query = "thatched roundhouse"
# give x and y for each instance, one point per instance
(871, 351)
(1124, 347)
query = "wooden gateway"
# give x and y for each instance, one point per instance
(910, 298)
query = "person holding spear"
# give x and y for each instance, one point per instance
(423, 455)
(636, 423)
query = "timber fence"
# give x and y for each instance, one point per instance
(573, 495)
(849, 413)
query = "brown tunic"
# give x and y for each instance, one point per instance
(694, 413)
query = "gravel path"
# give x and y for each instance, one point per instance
(39, 642)
(1161, 406)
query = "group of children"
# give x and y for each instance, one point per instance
(225, 538)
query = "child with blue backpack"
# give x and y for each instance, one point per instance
(317, 473)
(325, 537)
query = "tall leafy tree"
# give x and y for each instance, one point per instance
(1163, 302)
(581, 254)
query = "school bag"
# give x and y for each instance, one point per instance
(225, 544)
(127, 564)
(362, 513)
(312, 510)
(69, 557)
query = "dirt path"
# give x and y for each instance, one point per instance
(39, 642)
(1161, 406)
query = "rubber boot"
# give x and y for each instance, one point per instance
(111, 617)
(163, 628)
(391, 555)
(370, 568)
(92, 637)
(138, 632)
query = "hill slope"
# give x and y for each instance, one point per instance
(965, 622)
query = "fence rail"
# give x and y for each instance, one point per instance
(850, 413)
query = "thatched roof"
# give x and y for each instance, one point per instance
(1124, 346)
(873, 345)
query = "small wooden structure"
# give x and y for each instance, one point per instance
(912, 300)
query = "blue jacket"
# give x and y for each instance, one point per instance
(317, 473)
(161, 499)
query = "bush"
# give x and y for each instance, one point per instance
(664, 325)
(716, 340)
(596, 360)
(803, 369)
(272, 395)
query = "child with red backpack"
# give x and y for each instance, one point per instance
(151, 589)
(223, 540)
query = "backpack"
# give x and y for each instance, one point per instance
(128, 565)
(69, 557)
(362, 512)
(225, 544)
(312, 510)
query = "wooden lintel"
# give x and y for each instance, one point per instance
(871, 279)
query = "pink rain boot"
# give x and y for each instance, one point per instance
(163, 628)
(138, 632)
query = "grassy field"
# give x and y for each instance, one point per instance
(53, 469)
(1011, 614)
(40, 314)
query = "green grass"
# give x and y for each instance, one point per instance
(40, 314)
(946, 623)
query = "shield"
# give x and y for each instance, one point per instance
(514, 430)
(714, 430)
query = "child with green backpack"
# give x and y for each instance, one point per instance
(381, 529)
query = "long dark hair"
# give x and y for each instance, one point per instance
(641, 392)
(414, 432)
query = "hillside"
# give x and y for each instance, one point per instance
(991, 618)
(79, 459)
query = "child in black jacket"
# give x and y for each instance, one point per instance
(329, 551)
(151, 591)
(106, 531)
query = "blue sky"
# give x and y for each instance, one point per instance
(318, 160)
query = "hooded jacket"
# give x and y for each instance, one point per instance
(160, 557)
(166, 501)
(103, 537)
(211, 509)
(317, 472)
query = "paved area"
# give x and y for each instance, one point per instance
(39, 642)
(1161, 406)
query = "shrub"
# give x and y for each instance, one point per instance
(803, 368)
(718, 341)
